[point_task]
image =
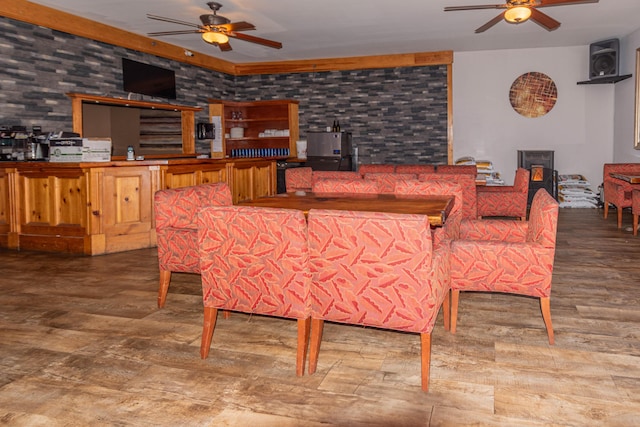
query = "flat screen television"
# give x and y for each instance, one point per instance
(148, 79)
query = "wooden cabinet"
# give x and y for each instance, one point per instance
(249, 180)
(263, 129)
(99, 208)
(7, 208)
(51, 213)
(122, 208)
(177, 176)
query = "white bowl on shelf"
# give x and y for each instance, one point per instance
(237, 132)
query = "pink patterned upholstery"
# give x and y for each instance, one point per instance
(415, 169)
(451, 228)
(177, 228)
(468, 169)
(616, 191)
(505, 200)
(635, 209)
(298, 179)
(387, 181)
(358, 185)
(364, 169)
(508, 256)
(255, 260)
(335, 175)
(467, 182)
(376, 269)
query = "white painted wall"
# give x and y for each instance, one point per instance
(580, 128)
(625, 102)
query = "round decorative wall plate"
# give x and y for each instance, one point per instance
(533, 94)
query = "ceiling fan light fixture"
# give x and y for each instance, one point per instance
(516, 15)
(214, 37)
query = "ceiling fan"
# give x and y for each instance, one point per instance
(517, 11)
(216, 29)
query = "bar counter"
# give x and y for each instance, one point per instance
(105, 207)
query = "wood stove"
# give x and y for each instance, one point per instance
(542, 172)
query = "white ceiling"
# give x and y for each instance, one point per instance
(311, 29)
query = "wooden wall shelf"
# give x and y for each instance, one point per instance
(256, 118)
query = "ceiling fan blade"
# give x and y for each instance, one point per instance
(544, 3)
(238, 26)
(225, 47)
(491, 23)
(173, 21)
(482, 6)
(173, 33)
(254, 39)
(543, 20)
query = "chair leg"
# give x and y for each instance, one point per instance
(425, 344)
(455, 296)
(304, 327)
(606, 209)
(619, 218)
(446, 310)
(635, 224)
(545, 306)
(209, 324)
(165, 278)
(314, 347)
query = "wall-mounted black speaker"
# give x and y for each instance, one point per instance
(604, 59)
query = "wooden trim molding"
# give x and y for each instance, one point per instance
(25, 11)
(350, 63)
(187, 114)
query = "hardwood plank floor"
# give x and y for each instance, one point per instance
(83, 343)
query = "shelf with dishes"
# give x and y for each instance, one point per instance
(256, 128)
(272, 147)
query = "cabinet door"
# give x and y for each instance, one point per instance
(213, 175)
(6, 216)
(189, 175)
(179, 179)
(127, 221)
(252, 179)
(52, 209)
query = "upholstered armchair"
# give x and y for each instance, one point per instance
(368, 168)
(255, 260)
(387, 181)
(468, 169)
(451, 228)
(335, 175)
(298, 179)
(417, 169)
(508, 256)
(376, 269)
(467, 182)
(505, 200)
(617, 191)
(358, 185)
(177, 228)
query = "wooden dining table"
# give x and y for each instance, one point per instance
(436, 208)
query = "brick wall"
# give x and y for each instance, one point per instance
(396, 115)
